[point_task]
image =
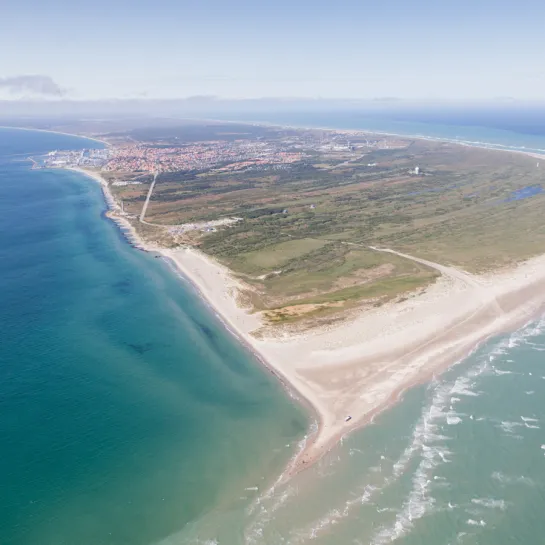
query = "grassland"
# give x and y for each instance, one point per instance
(303, 245)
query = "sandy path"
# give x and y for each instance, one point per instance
(148, 197)
(451, 272)
(455, 274)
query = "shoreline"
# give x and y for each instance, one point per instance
(136, 241)
(114, 212)
(57, 132)
(467, 143)
(431, 354)
(340, 372)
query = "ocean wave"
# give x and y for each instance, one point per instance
(509, 427)
(425, 451)
(420, 501)
(473, 522)
(262, 514)
(460, 536)
(510, 480)
(423, 442)
(529, 419)
(499, 372)
(490, 503)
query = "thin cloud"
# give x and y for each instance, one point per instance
(36, 85)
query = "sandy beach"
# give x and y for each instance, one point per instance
(115, 212)
(360, 367)
(350, 372)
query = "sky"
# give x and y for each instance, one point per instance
(420, 49)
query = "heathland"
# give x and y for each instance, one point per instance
(354, 264)
(299, 234)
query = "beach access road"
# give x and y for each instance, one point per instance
(145, 207)
(457, 275)
(451, 272)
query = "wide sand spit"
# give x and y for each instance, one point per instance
(350, 371)
(359, 367)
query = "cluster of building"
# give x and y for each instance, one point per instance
(282, 158)
(221, 155)
(205, 226)
(95, 158)
(235, 155)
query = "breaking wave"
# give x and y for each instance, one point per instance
(416, 468)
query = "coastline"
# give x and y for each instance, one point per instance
(468, 143)
(56, 132)
(360, 368)
(114, 210)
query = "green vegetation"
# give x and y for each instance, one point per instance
(303, 244)
(278, 255)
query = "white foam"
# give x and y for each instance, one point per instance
(462, 388)
(509, 480)
(473, 522)
(509, 427)
(490, 503)
(426, 449)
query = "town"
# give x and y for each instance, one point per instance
(277, 151)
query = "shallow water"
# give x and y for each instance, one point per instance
(135, 418)
(127, 411)
(461, 460)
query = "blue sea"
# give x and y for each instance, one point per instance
(129, 415)
(127, 411)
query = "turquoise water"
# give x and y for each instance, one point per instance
(127, 412)
(460, 460)
(128, 415)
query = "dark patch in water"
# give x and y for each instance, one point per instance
(219, 348)
(141, 348)
(123, 287)
(209, 334)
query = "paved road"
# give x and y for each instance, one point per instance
(145, 207)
